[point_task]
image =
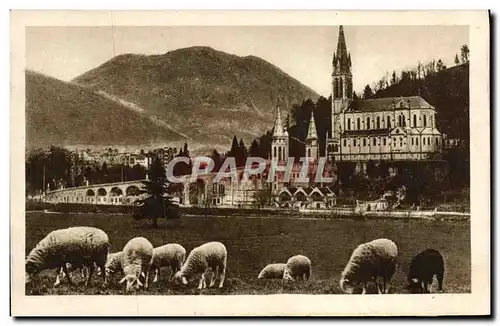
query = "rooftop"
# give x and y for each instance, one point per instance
(388, 104)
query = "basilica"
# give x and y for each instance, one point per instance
(382, 129)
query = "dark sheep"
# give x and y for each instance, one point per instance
(423, 267)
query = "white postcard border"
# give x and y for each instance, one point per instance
(477, 302)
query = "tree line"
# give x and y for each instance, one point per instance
(420, 71)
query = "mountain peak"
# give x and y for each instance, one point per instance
(209, 95)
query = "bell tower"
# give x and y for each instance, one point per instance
(312, 147)
(279, 145)
(341, 90)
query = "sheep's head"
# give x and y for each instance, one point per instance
(179, 278)
(31, 270)
(347, 286)
(109, 270)
(414, 286)
(28, 277)
(287, 276)
(132, 282)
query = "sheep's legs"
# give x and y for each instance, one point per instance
(215, 273)
(91, 271)
(440, 277)
(387, 286)
(202, 281)
(222, 271)
(156, 275)
(147, 278)
(172, 273)
(60, 273)
(104, 278)
(379, 291)
(68, 277)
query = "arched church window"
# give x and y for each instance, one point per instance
(378, 122)
(358, 124)
(368, 123)
(275, 154)
(308, 152)
(388, 122)
(414, 120)
(348, 124)
(425, 121)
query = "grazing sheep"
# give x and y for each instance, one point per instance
(113, 264)
(170, 255)
(423, 267)
(137, 257)
(272, 271)
(211, 255)
(377, 258)
(78, 246)
(298, 266)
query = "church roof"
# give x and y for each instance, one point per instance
(388, 104)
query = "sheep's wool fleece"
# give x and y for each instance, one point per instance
(371, 259)
(298, 265)
(172, 254)
(75, 245)
(273, 271)
(138, 252)
(114, 261)
(200, 258)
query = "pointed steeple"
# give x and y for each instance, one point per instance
(342, 59)
(278, 125)
(341, 47)
(311, 133)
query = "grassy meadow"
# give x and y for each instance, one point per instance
(253, 243)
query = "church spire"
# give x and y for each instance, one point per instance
(342, 58)
(311, 133)
(278, 125)
(341, 47)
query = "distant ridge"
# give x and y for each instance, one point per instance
(204, 94)
(62, 113)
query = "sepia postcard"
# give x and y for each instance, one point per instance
(250, 163)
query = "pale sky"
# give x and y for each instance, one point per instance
(303, 52)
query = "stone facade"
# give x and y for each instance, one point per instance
(390, 129)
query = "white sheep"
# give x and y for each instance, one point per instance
(170, 255)
(377, 258)
(211, 255)
(137, 257)
(113, 264)
(298, 266)
(79, 246)
(272, 271)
